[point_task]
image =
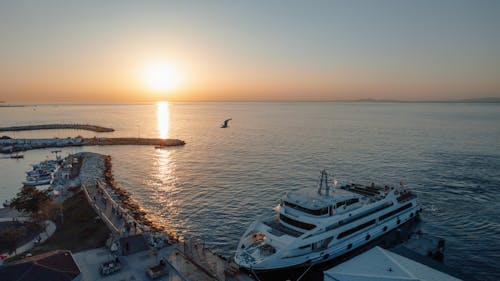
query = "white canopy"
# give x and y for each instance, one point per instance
(378, 264)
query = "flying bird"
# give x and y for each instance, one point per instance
(225, 124)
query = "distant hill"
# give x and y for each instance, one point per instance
(485, 100)
(376, 100)
(475, 100)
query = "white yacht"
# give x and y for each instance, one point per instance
(311, 227)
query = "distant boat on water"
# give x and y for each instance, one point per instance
(225, 124)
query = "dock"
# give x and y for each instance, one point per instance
(134, 267)
(87, 127)
(16, 145)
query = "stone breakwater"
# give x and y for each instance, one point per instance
(87, 127)
(15, 145)
(130, 204)
(97, 169)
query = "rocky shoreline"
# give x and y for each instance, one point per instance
(130, 204)
(97, 169)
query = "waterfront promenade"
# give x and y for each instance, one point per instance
(182, 261)
(112, 214)
(11, 215)
(190, 261)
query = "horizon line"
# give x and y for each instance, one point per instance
(367, 100)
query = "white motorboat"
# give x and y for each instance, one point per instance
(38, 181)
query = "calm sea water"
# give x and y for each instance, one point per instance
(213, 187)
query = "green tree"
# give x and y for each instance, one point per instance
(9, 238)
(30, 200)
(48, 211)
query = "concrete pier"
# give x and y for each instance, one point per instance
(15, 145)
(87, 127)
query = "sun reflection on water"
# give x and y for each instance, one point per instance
(164, 179)
(165, 192)
(163, 116)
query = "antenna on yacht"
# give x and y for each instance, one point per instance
(320, 182)
(324, 177)
(327, 188)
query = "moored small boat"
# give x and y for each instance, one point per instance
(38, 181)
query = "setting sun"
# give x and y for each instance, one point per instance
(161, 78)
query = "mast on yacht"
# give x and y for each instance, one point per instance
(324, 177)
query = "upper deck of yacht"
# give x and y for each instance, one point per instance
(313, 200)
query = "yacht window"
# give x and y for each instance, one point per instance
(391, 213)
(352, 201)
(355, 229)
(296, 223)
(348, 202)
(318, 212)
(358, 216)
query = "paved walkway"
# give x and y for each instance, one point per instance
(50, 228)
(133, 267)
(116, 218)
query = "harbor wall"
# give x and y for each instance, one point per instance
(15, 145)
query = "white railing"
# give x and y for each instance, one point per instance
(100, 212)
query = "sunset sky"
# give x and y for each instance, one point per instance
(93, 51)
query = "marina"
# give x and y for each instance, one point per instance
(42, 173)
(137, 247)
(150, 183)
(138, 244)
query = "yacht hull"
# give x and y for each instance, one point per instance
(394, 226)
(314, 227)
(312, 271)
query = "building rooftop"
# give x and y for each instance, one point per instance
(57, 265)
(378, 264)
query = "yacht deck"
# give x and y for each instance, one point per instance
(279, 230)
(314, 200)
